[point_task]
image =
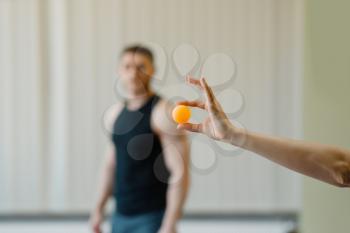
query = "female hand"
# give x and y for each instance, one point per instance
(216, 125)
(327, 163)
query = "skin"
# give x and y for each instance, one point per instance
(326, 163)
(136, 71)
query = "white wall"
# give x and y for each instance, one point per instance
(21, 106)
(80, 43)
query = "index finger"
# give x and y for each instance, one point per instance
(208, 92)
(193, 81)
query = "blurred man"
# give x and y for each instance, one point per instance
(147, 165)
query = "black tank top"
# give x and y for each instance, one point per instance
(141, 175)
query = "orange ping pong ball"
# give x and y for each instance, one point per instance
(181, 114)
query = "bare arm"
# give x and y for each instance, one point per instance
(326, 163)
(105, 191)
(108, 170)
(176, 152)
(107, 180)
(176, 158)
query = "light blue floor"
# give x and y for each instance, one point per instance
(186, 226)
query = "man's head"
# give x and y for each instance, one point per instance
(136, 69)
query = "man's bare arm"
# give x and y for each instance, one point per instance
(176, 152)
(105, 191)
(108, 171)
(107, 180)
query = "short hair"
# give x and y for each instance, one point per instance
(138, 49)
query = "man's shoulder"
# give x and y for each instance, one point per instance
(162, 121)
(162, 108)
(111, 114)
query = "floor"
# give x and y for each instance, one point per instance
(186, 226)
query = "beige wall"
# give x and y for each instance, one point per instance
(81, 42)
(327, 108)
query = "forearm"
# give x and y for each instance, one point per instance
(326, 163)
(176, 197)
(106, 189)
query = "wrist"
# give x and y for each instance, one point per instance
(237, 137)
(168, 224)
(99, 209)
(168, 228)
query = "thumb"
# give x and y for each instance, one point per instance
(190, 127)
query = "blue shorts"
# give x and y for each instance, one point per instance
(141, 223)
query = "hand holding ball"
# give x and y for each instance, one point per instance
(181, 114)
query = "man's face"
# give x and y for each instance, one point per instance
(136, 71)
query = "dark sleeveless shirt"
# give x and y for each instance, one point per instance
(141, 176)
